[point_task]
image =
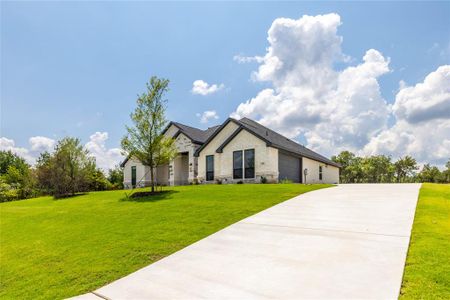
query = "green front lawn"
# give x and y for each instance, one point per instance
(61, 248)
(427, 271)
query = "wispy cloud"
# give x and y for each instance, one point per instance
(247, 59)
(200, 87)
(208, 115)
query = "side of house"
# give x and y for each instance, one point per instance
(244, 150)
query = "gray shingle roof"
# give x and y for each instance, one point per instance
(282, 142)
(272, 139)
(196, 135)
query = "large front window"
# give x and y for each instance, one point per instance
(244, 164)
(237, 164)
(209, 167)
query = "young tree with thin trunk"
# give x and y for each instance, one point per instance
(144, 140)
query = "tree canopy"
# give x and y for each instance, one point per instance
(144, 140)
(380, 168)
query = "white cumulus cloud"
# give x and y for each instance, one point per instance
(422, 127)
(332, 109)
(9, 145)
(105, 158)
(208, 115)
(343, 109)
(201, 87)
(427, 100)
(41, 143)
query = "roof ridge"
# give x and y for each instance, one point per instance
(273, 131)
(178, 123)
(255, 124)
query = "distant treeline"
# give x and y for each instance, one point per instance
(381, 169)
(68, 170)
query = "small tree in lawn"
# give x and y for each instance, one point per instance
(70, 165)
(144, 140)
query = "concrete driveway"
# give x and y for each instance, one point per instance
(348, 241)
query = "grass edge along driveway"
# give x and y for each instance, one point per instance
(427, 269)
(54, 249)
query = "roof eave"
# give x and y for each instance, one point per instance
(212, 136)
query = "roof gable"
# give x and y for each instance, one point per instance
(214, 134)
(281, 142)
(269, 136)
(196, 135)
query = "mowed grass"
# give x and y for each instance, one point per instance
(54, 249)
(427, 270)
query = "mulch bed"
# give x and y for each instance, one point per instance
(145, 194)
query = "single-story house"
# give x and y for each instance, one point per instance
(238, 150)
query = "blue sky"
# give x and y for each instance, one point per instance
(76, 68)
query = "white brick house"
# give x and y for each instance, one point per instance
(238, 150)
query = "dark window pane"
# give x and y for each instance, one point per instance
(210, 167)
(237, 159)
(133, 176)
(237, 173)
(237, 165)
(249, 163)
(320, 172)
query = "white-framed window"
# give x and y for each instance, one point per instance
(320, 172)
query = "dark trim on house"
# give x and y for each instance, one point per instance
(271, 138)
(122, 164)
(235, 133)
(180, 130)
(229, 139)
(244, 125)
(197, 153)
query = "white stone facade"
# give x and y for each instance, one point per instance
(266, 158)
(181, 170)
(187, 168)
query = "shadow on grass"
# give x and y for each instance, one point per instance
(148, 196)
(67, 197)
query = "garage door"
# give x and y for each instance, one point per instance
(289, 167)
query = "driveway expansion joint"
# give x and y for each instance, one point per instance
(100, 295)
(328, 229)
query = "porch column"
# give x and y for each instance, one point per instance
(192, 167)
(172, 171)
